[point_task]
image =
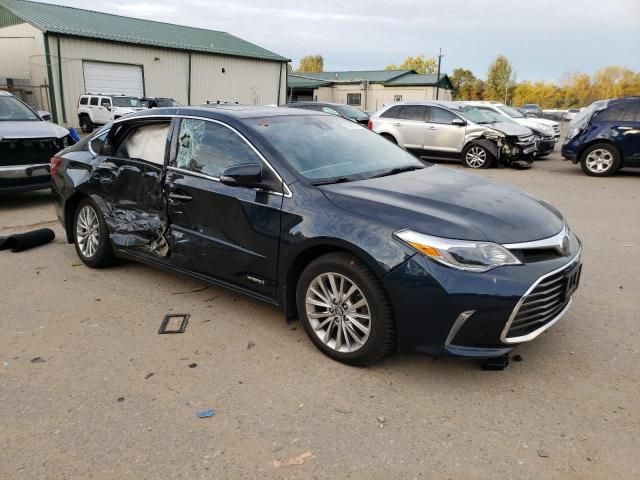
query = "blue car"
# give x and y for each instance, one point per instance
(605, 137)
(372, 249)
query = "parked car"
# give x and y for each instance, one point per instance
(570, 114)
(371, 248)
(457, 130)
(158, 102)
(98, 109)
(532, 110)
(547, 132)
(27, 142)
(341, 110)
(605, 137)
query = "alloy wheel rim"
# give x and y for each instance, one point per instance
(599, 160)
(88, 231)
(476, 157)
(338, 312)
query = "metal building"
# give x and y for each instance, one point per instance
(50, 55)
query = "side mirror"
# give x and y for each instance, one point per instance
(459, 122)
(243, 175)
(108, 107)
(44, 115)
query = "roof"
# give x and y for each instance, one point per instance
(388, 78)
(417, 79)
(104, 26)
(297, 81)
(225, 111)
(356, 76)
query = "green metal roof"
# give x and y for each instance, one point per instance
(104, 26)
(356, 76)
(298, 81)
(417, 79)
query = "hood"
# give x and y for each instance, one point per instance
(532, 123)
(31, 129)
(510, 129)
(447, 203)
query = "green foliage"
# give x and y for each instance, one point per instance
(311, 63)
(499, 79)
(419, 63)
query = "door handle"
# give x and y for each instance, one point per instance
(397, 124)
(177, 198)
(432, 128)
(623, 128)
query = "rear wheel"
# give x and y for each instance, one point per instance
(345, 310)
(600, 160)
(90, 235)
(476, 156)
(86, 125)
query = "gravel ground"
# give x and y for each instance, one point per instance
(88, 388)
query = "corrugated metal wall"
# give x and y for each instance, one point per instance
(19, 45)
(166, 74)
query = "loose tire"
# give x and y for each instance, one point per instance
(90, 235)
(345, 310)
(600, 160)
(476, 156)
(86, 125)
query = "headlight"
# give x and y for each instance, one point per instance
(543, 127)
(460, 254)
(572, 133)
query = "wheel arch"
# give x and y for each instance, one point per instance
(70, 207)
(590, 143)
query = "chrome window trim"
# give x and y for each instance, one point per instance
(287, 192)
(91, 141)
(551, 242)
(535, 333)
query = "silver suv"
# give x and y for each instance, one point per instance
(439, 130)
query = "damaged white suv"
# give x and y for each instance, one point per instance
(437, 130)
(98, 109)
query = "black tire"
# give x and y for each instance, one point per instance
(600, 160)
(381, 337)
(473, 154)
(86, 125)
(543, 155)
(102, 254)
(389, 137)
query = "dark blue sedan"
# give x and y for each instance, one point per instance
(372, 249)
(605, 137)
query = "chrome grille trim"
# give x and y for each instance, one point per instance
(548, 316)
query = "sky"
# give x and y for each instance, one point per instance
(543, 39)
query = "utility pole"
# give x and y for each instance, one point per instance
(438, 75)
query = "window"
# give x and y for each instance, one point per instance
(147, 142)
(354, 99)
(97, 142)
(210, 148)
(413, 112)
(397, 98)
(612, 113)
(391, 112)
(331, 111)
(633, 113)
(84, 100)
(12, 109)
(105, 102)
(94, 101)
(440, 115)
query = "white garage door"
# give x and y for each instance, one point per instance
(113, 78)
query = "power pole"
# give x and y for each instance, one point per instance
(438, 75)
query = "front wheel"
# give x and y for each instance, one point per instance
(345, 310)
(476, 156)
(86, 125)
(90, 236)
(600, 160)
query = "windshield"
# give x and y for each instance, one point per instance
(126, 102)
(531, 106)
(13, 110)
(167, 102)
(477, 115)
(324, 149)
(512, 112)
(351, 112)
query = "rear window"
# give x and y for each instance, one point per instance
(413, 112)
(633, 113)
(84, 101)
(391, 112)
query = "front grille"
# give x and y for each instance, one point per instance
(31, 150)
(545, 302)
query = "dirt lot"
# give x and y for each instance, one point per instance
(110, 398)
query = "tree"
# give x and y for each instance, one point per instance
(419, 63)
(499, 79)
(464, 83)
(311, 63)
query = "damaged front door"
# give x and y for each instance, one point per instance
(228, 232)
(129, 178)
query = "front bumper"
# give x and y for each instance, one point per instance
(446, 312)
(20, 178)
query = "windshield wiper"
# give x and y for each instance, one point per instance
(333, 180)
(396, 170)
